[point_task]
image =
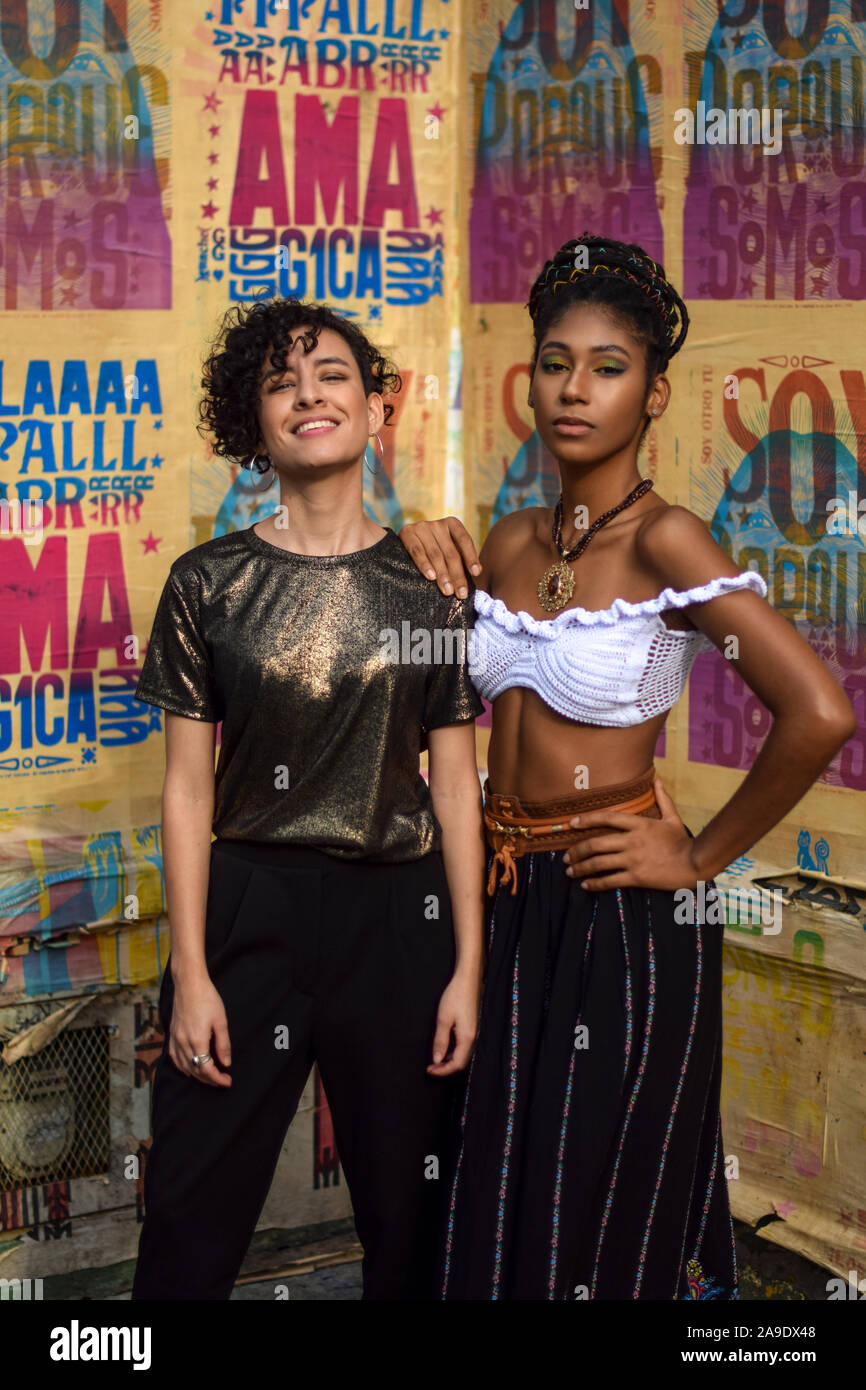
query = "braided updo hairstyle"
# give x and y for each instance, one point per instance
(621, 278)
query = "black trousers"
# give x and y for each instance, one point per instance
(350, 958)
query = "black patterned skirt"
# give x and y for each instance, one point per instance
(589, 1160)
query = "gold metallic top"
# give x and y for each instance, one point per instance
(326, 671)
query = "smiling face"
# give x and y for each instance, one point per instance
(316, 413)
(589, 386)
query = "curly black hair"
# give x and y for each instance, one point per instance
(250, 333)
(627, 283)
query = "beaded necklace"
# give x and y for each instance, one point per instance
(556, 585)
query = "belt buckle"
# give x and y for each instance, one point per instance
(511, 829)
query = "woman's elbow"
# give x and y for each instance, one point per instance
(833, 722)
(456, 795)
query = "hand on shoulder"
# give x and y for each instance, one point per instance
(444, 550)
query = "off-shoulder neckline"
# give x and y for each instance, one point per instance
(621, 608)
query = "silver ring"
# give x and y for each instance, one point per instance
(200, 1057)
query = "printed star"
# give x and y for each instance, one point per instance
(744, 516)
(434, 215)
(704, 287)
(444, 33)
(157, 461)
(209, 209)
(437, 111)
(151, 542)
(211, 102)
(213, 183)
(157, 424)
(819, 284)
(738, 41)
(70, 219)
(213, 157)
(846, 1218)
(785, 1208)
(69, 295)
(748, 200)
(375, 311)
(213, 130)
(822, 206)
(747, 284)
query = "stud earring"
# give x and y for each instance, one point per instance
(381, 454)
(655, 412)
(261, 472)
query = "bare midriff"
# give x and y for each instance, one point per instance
(536, 754)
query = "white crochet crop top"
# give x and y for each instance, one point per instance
(613, 666)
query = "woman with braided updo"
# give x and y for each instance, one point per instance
(590, 1161)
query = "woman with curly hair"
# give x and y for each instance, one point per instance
(592, 1163)
(337, 916)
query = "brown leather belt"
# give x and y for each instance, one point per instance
(513, 828)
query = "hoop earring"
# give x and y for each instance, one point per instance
(261, 474)
(381, 454)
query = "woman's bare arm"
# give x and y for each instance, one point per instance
(812, 719)
(187, 816)
(455, 793)
(198, 1018)
(812, 715)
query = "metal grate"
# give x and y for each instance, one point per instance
(54, 1111)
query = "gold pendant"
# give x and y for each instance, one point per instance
(555, 587)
